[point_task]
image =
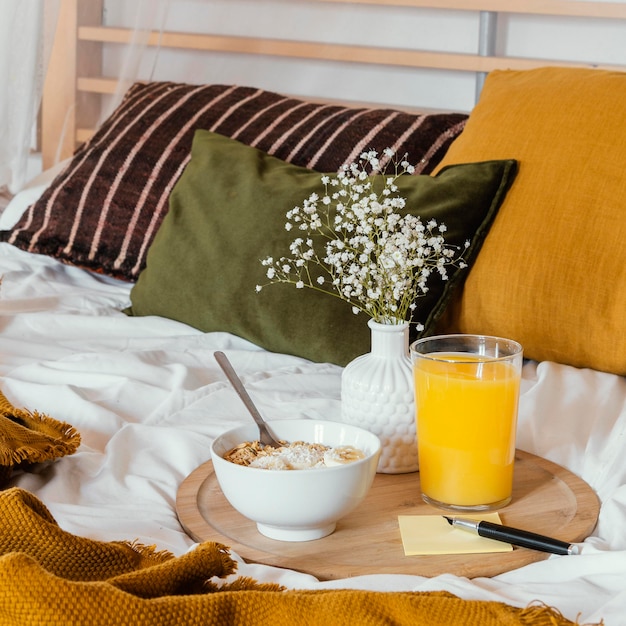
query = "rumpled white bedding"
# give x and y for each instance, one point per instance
(147, 398)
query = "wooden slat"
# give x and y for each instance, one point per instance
(563, 8)
(326, 51)
(59, 92)
(96, 84)
(84, 134)
(64, 107)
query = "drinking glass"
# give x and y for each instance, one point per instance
(467, 394)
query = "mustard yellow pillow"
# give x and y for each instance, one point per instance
(552, 271)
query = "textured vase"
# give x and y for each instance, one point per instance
(377, 394)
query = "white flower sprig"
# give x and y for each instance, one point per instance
(355, 246)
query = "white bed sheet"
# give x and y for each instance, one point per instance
(147, 398)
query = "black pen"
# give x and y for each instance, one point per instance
(514, 536)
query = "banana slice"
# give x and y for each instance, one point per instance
(342, 455)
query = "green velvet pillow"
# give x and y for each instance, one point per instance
(227, 212)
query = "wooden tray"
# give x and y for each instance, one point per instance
(547, 499)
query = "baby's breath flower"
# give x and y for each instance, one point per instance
(357, 247)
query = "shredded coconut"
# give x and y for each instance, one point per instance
(292, 456)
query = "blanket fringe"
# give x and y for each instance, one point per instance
(246, 583)
(541, 614)
(149, 552)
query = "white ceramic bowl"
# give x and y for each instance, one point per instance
(303, 504)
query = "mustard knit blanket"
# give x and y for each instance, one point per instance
(49, 576)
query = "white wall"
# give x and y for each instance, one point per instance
(582, 39)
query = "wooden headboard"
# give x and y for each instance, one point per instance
(75, 82)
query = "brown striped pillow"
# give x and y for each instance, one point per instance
(103, 210)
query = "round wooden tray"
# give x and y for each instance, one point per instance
(547, 499)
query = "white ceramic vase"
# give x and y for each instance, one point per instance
(377, 394)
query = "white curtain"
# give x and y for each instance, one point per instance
(25, 42)
(137, 60)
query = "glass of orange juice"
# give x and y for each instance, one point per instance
(467, 393)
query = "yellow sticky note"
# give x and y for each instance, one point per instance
(431, 534)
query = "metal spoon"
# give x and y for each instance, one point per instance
(265, 436)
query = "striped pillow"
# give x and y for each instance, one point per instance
(103, 210)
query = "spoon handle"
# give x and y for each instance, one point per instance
(265, 437)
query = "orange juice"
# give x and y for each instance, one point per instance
(466, 422)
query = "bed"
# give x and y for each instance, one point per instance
(93, 336)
